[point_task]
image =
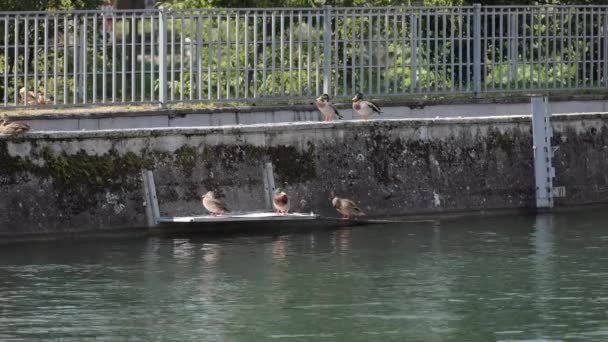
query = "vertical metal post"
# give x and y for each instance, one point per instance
(476, 49)
(268, 176)
(162, 57)
(543, 167)
(327, 13)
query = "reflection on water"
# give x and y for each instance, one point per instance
(493, 279)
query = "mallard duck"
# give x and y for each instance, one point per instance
(17, 127)
(32, 99)
(281, 202)
(364, 108)
(213, 205)
(346, 207)
(326, 108)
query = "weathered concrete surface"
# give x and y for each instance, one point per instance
(73, 181)
(448, 108)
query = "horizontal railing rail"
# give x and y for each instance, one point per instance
(171, 56)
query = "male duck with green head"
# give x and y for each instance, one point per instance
(364, 108)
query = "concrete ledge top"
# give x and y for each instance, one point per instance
(292, 126)
(302, 107)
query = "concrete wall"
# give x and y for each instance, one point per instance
(73, 181)
(298, 113)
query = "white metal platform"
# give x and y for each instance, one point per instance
(244, 217)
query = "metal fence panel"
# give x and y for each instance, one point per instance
(281, 54)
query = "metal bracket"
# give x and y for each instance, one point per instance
(268, 177)
(150, 199)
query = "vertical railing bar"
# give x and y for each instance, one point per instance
(444, 52)
(237, 82)
(592, 39)
(133, 56)
(192, 55)
(36, 28)
(65, 60)
(162, 54)
(353, 68)
(370, 48)
(395, 45)
(413, 52)
(94, 58)
(264, 42)
(403, 50)
(26, 56)
(508, 39)
(282, 55)
(219, 57)
(335, 69)
(6, 58)
(488, 66)
(172, 59)
(273, 24)
(523, 47)
(198, 56)
(562, 63)
(539, 52)
(554, 64)
(500, 48)
(291, 86)
(104, 85)
(300, 53)
(75, 61)
(576, 59)
(460, 44)
(317, 53)
(386, 53)
(344, 55)
(85, 48)
(114, 57)
(210, 68)
(55, 59)
(361, 48)
(378, 66)
(152, 59)
(16, 68)
(228, 56)
(531, 49)
(123, 53)
(547, 45)
(452, 52)
(435, 47)
(309, 45)
(605, 67)
(142, 87)
(246, 54)
(428, 50)
(255, 55)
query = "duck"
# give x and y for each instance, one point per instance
(326, 108)
(32, 99)
(346, 207)
(364, 108)
(13, 128)
(281, 202)
(213, 205)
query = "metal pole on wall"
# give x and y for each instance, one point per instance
(543, 166)
(327, 13)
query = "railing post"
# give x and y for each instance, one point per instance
(327, 14)
(162, 57)
(476, 49)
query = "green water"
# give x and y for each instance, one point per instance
(509, 278)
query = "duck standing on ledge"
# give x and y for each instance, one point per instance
(347, 208)
(213, 205)
(17, 127)
(364, 108)
(281, 202)
(326, 108)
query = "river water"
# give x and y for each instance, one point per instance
(510, 278)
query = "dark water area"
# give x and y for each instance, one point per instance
(509, 278)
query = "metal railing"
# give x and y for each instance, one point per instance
(252, 55)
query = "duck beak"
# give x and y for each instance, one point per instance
(283, 194)
(320, 98)
(355, 98)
